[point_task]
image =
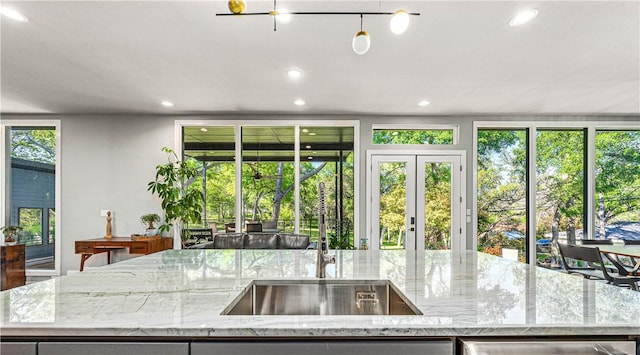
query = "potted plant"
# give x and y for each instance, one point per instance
(180, 204)
(149, 220)
(10, 234)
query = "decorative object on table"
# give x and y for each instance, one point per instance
(140, 237)
(364, 244)
(108, 231)
(149, 219)
(181, 205)
(10, 234)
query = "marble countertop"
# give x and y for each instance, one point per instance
(181, 293)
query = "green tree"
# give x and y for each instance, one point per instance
(560, 182)
(34, 144)
(617, 177)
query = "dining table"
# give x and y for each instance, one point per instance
(632, 251)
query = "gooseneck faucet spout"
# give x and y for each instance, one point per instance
(324, 258)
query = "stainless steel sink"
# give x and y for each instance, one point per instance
(321, 297)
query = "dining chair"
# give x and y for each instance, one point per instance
(588, 270)
(593, 256)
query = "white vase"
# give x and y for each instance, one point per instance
(152, 232)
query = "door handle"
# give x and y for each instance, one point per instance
(413, 220)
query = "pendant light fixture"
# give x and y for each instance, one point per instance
(399, 22)
(236, 7)
(361, 41)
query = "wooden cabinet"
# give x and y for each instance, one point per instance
(13, 266)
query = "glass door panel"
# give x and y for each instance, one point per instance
(394, 181)
(436, 201)
(416, 202)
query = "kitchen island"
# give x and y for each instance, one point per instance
(179, 295)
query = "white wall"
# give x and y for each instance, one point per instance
(107, 162)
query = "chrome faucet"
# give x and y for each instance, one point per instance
(323, 244)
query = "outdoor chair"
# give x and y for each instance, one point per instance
(252, 226)
(594, 257)
(229, 227)
(270, 226)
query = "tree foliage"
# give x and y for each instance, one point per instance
(34, 144)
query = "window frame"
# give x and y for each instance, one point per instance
(238, 124)
(5, 128)
(417, 127)
(590, 128)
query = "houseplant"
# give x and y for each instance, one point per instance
(10, 234)
(149, 220)
(180, 204)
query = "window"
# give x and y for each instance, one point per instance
(52, 225)
(560, 187)
(390, 134)
(572, 202)
(617, 185)
(326, 155)
(267, 176)
(214, 149)
(31, 189)
(502, 192)
(30, 219)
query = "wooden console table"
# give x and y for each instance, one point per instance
(89, 247)
(13, 266)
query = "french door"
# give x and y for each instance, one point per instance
(416, 202)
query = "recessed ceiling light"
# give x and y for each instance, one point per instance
(307, 146)
(203, 129)
(13, 14)
(312, 133)
(523, 17)
(299, 102)
(167, 103)
(309, 158)
(294, 73)
(395, 133)
(424, 103)
(304, 130)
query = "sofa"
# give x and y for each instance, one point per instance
(257, 241)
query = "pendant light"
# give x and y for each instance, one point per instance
(361, 41)
(399, 22)
(236, 6)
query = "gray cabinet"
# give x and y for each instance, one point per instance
(18, 348)
(107, 348)
(314, 347)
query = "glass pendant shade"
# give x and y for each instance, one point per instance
(361, 42)
(284, 17)
(399, 22)
(236, 6)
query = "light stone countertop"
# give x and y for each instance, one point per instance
(181, 293)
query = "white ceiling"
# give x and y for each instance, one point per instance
(126, 57)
